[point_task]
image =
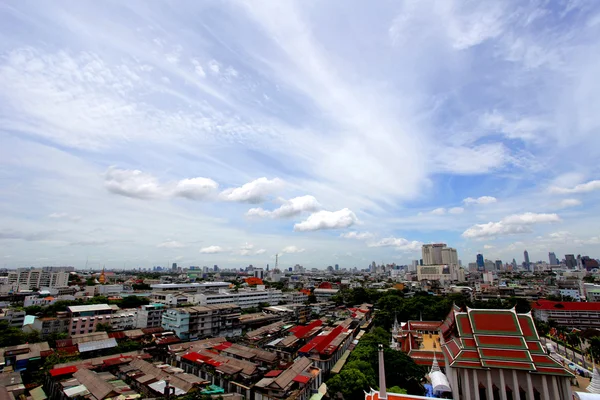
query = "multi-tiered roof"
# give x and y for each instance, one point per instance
(496, 339)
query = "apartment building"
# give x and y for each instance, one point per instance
(569, 314)
(190, 323)
(243, 298)
(14, 318)
(83, 319)
(47, 326)
(295, 297)
(150, 316)
(123, 320)
(37, 278)
(325, 294)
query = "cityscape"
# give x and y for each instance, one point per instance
(299, 200)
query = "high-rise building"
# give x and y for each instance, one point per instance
(570, 261)
(552, 258)
(449, 256)
(337, 267)
(432, 253)
(37, 278)
(480, 262)
(174, 267)
(498, 265)
(526, 259)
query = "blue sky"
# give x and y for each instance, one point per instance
(143, 133)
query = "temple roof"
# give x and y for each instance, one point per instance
(496, 339)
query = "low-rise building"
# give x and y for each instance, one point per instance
(191, 323)
(569, 314)
(83, 319)
(325, 294)
(150, 315)
(47, 326)
(243, 298)
(297, 382)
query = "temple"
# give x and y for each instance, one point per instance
(479, 354)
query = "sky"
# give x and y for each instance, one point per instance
(135, 134)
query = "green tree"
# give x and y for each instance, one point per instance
(312, 299)
(133, 302)
(90, 282)
(594, 348)
(350, 383)
(396, 389)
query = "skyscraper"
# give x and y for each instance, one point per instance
(432, 253)
(570, 261)
(552, 258)
(480, 263)
(526, 259)
(498, 265)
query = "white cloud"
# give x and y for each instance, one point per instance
(357, 235)
(456, 210)
(246, 249)
(211, 250)
(132, 183)
(526, 128)
(581, 188)
(327, 220)
(195, 188)
(488, 246)
(260, 251)
(480, 200)
(253, 192)
(566, 203)
(171, 244)
(64, 216)
(398, 243)
(290, 208)
(214, 66)
(439, 211)
(198, 68)
(292, 250)
(137, 184)
(513, 224)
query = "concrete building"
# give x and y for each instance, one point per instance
(294, 297)
(449, 256)
(15, 318)
(191, 323)
(552, 259)
(432, 253)
(47, 326)
(37, 278)
(242, 298)
(570, 261)
(325, 294)
(198, 287)
(150, 316)
(83, 319)
(570, 314)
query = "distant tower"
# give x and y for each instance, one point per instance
(526, 258)
(276, 260)
(102, 278)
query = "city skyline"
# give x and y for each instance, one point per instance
(327, 134)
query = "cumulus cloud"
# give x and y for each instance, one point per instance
(171, 244)
(581, 188)
(132, 183)
(253, 192)
(246, 249)
(327, 220)
(357, 235)
(211, 250)
(398, 243)
(456, 210)
(488, 246)
(140, 185)
(513, 224)
(480, 200)
(195, 188)
(289, 208)
(566, 203)
(439, 211)
(292, 250)
(260, 251)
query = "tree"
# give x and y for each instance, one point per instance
(594, 348)
(133, 302)
(312, 299)
(350, 383)
(140, 286)
(91, 282)
(396, 389)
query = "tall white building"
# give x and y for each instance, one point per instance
(37, 278)
(449, 256)
(432, 253)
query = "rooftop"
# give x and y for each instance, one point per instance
(91, 307)
(565, 305)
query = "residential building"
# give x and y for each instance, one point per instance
(570, 314)
(242, 298)
(15, 318)
(36, 300)
(297, 382)
(83, 319)
(328, 347)
(294, 297)
(198, 287)
(591, 292)
(47, 326)
(150, 316)
(570, 261)
(37, 278)
(325, 294)
(190, 323)
(122, 320)
(449, 256)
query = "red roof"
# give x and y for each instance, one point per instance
(312, 344)
(222, 346)
(302, 378)
(196, 357)
(323, 345)
(302, 331)
(63, 371)
(273, 373)
(117, 335)
(565, 305)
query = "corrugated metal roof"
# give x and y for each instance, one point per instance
(97, 345)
